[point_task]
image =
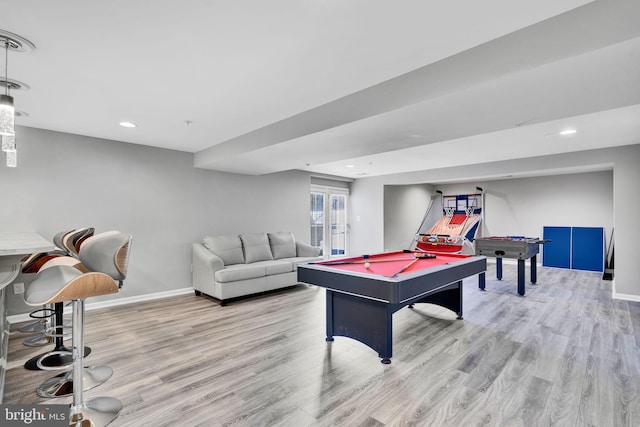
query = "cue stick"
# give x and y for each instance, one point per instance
(404, 268)
(362, 261)
(369, 260)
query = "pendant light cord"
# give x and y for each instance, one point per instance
(6, 67)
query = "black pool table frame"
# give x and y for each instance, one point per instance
(360, 305)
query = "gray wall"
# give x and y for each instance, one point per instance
(404, 209)
(626, 181)
(524, 206)
(592, 203)
(513, 207)
(68, 181)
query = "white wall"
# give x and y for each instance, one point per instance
(626, 184)
(67, 181)
(519, 208)
(404, 209)
(524, 206)
(512, 207)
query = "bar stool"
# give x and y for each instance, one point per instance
(69, 243)
(106, 256)
(31, 264)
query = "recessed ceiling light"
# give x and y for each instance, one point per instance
(127, 124)
(568, 132)
(350, 166)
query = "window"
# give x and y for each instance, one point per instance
(329, 228)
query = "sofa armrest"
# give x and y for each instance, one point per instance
(304, 250)
(204, 265)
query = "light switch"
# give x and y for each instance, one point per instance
(18, 288)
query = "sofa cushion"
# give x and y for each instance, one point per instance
(276, 266)
(256, 247)
(283, 245)
(228, 248)
(300, 260)
(238, 272)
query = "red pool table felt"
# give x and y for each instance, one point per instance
(387, 264)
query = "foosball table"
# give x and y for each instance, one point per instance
(514, 247)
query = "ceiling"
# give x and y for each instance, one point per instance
(349, 88)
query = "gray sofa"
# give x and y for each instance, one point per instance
(232, 266)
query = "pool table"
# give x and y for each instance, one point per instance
(363, 292)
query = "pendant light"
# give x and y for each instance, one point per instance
(16, 43)
(8, 143)
(9, 147)
(12, 158)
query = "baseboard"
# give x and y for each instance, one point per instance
(17, 318)
(626, 297)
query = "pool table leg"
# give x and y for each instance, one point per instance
(329, 315)
(499, 268)
(459, 313)
(361, 319)
(482, 281)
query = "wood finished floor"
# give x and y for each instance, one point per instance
(564, 355)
